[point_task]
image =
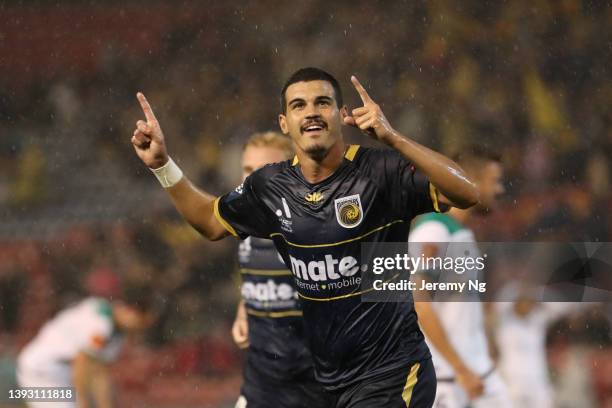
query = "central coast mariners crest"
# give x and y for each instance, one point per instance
(348, 211)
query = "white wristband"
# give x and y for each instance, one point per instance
(169, 174)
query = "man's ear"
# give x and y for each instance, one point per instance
(282, 122)
(344, 112)
(347, 119)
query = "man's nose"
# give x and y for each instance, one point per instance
(312, 111)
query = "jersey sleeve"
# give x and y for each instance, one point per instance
(242, 212)
(410, 190)
(428, 232)
(97, 337)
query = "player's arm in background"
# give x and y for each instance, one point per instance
(195, 205)
(456, 188)
(428, 234)
(240, 328)
(435, 333)
(491, 318)
(92, 382)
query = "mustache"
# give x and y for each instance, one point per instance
(318, 122)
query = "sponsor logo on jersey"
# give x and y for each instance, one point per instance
(268, 291)
(285, 219)
(349, 212)
(327, 274)
(328, 269)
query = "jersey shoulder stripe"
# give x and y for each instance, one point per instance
(222, 220)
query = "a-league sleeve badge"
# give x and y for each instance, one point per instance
(349, 212)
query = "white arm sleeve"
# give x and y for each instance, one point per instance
(427, 232)
(430, 231)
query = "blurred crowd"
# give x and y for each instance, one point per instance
(81, 215)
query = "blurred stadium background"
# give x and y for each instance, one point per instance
(81, 215)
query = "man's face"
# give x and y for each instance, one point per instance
(490, 185)
(313, 119)
(131, 319)
(255, 157)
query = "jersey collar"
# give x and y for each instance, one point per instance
(349, 155)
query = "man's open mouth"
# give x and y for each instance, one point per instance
(314, 127)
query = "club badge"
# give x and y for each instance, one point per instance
(349, 212)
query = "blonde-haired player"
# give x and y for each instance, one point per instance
(278, 370)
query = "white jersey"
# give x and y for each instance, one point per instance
(522, 346)
(463, 321)
(86, 327)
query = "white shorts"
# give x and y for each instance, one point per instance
(495, 395)
(531, 396)
(31, 378)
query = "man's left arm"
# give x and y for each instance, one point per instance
(448, 177)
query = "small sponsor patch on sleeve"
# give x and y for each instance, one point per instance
(98, 341)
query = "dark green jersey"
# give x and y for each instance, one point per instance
(318, 230)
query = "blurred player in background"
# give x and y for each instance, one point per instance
(521, 338)
(318, 209)
(75, 347)
(455, 330)
(278, 370)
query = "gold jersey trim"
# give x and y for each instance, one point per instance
(334, 243)
(433, 194)
(410, 383)
(218, 216)
(351, 151)
(265, 272)
(275, 315)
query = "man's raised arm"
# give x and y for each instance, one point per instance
(446, 175)
(196, 206)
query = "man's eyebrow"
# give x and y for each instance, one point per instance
(318, 98)
(295, 100)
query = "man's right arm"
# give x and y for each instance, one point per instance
(434, 331)
(195, 205)
(198, 208)
(426, 237)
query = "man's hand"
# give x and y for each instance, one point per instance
(470, 382)
(148, 139)
(370, 119)
(240, 332)
(240, 329)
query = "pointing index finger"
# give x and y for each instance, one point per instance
(146, 108)
(365, 98)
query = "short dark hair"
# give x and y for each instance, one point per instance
(139, 297)
(480, 153)
(311, 74)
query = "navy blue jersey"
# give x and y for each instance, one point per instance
(276, 330)
(318, 230)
